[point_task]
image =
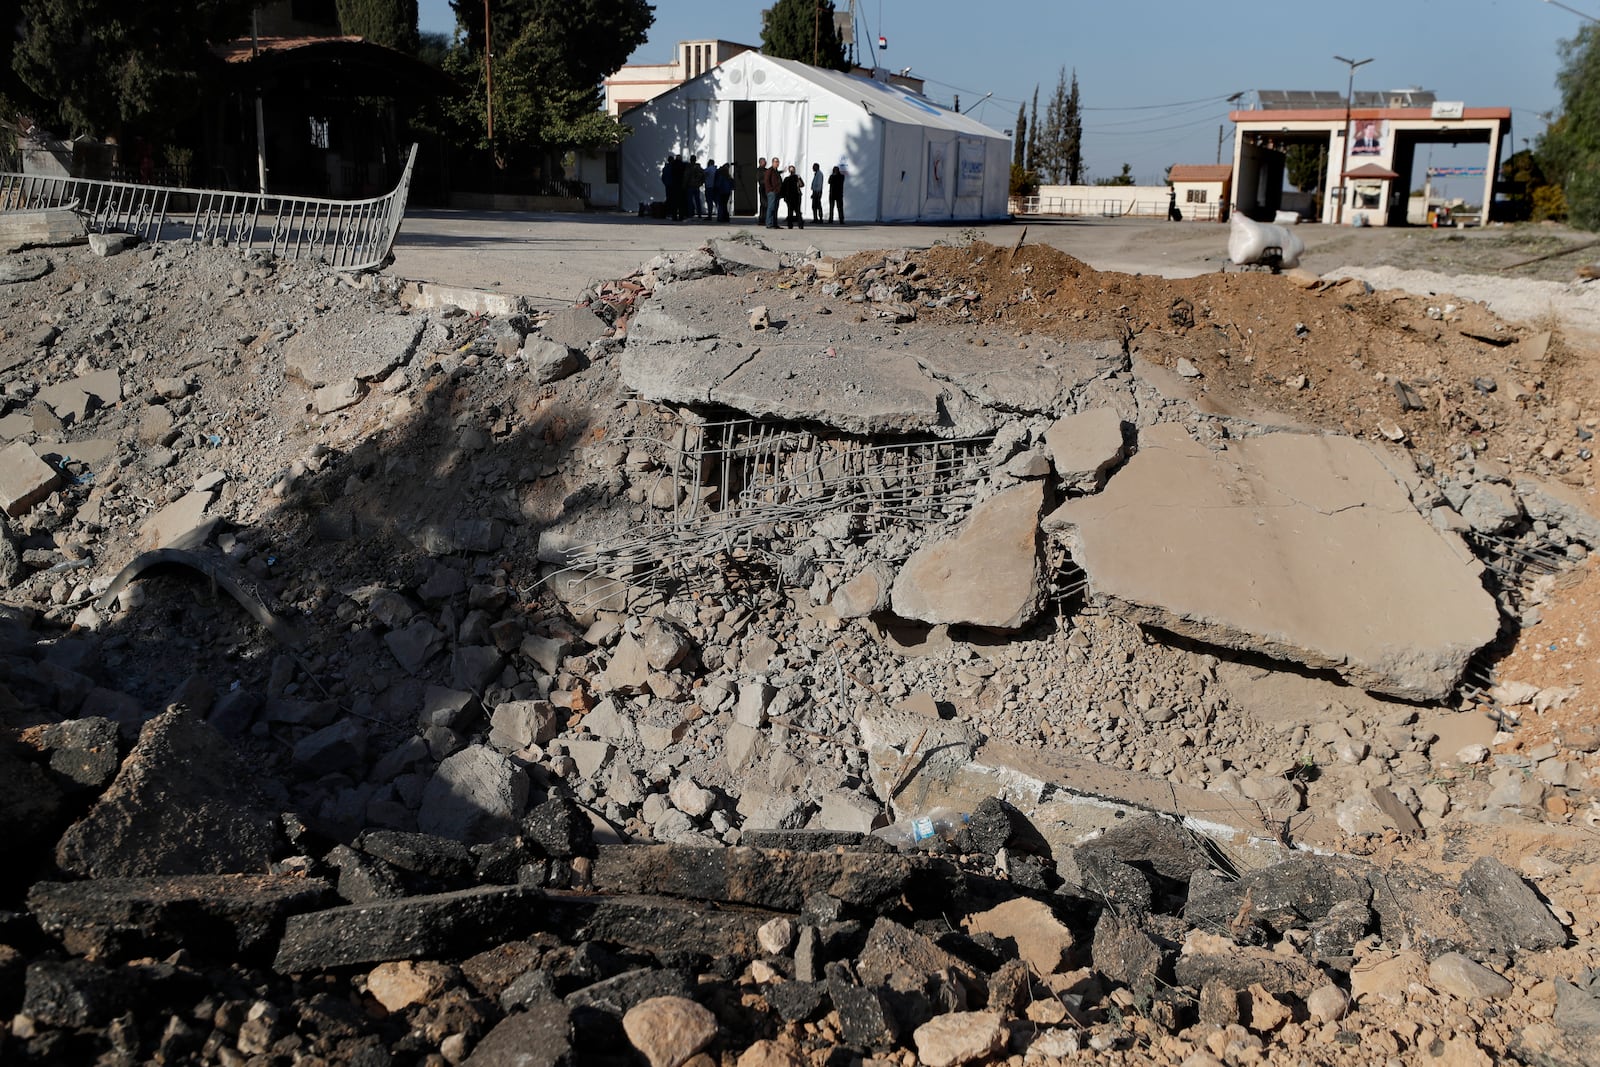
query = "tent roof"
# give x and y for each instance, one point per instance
(877, 98)
(1372, 170)
(882, 99)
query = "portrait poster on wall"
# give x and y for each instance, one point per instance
(1366, 137)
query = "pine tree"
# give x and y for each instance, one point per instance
(1053, 138)
(1019, 137)
(1033, 133)
(1072, 135)
(803, 30)
(391, 23)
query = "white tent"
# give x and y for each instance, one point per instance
(905, 158)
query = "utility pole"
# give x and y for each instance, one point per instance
(488, 76)
(261, 121)
(1344, 152)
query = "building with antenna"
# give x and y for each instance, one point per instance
(636, 83)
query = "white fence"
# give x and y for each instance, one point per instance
(1109, 207)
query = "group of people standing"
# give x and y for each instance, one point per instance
(777, 184)
(695, 191)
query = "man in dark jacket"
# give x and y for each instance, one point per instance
(772, 185)
(724, 191)
(836, 194)
(675, 189)
(793, 190)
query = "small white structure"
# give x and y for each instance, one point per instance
(1201, 188)
(905, 159)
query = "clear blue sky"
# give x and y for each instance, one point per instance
(1176, 63)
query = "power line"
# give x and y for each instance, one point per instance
(960, 89)
(1152, 107)
(1206, 121)
(1155, 118)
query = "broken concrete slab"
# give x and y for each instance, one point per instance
(573, 327)
(541, 1036)
(551, 362)
(334, 347)
(181, 524)
(989, 573)
(1296, 546)
(1041, 377)
(179, 805)
(437, 926)
(25, 479)
(660, 925)
(225, 914)
(336, 396)
(742, 257)
(865, 594)
(1084, 447)
(1504, 910)
(83, 751)
(774, 879)
(477, 794)
(34, 229)
(816, 368)
(92, 452)
(73, 400)
(111, 244)
(866, 390)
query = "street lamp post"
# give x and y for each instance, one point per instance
(1344, 154)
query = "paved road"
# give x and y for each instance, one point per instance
(550, 258)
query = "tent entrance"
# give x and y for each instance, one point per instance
(744, 157)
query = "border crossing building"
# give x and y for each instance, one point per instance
(1374, 141)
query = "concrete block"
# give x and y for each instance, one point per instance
(25, 479)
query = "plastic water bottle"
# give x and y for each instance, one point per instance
(924, 831)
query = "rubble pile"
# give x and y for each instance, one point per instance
(930, 655)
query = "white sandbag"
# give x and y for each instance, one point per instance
(1248, 241)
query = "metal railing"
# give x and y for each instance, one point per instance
(1112, 208)
(350, 235)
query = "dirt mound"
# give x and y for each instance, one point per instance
(1327, 355)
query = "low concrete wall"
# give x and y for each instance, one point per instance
(513, 202)
(427, 295)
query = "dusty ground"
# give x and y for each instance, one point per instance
(469, 436)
